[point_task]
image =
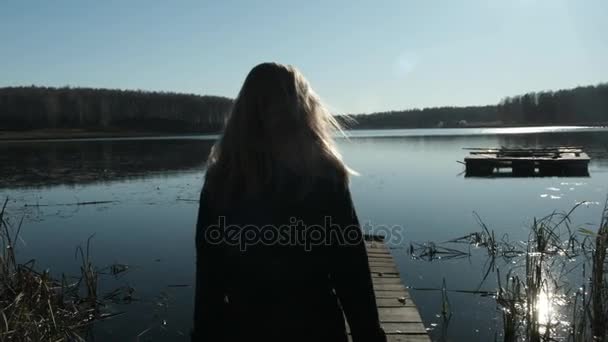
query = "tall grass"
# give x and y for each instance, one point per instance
(542, 279)
(599, 282)
(34, 306)
(530, 302)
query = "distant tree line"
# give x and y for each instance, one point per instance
(23, 108)
(427, 117)
(582, 105)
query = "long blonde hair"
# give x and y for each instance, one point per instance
(277, 126)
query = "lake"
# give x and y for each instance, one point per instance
(409, 179)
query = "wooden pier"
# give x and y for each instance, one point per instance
(398, 313)
(527, 162)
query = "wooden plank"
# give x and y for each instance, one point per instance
(395, 302)
(378, 260)
(392, 294)
(382, 269)
(381, 262)
(381, 258)
(389, 287)
(378, 249)
(378, 252)
(375, 246)
(386, 280)
(385, 275)
(400, 328)
(398, 313)
(407, 338)
(403, 338)
(403, 314)
(385, 255)
(582, 157)
(403, 328)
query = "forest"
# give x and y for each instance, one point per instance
(427, 117)
(26, 108)
(30, 108)
(579, 106)
(582, 105)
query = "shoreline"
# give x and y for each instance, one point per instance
(68, 134)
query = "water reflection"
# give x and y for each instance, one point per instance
(409, 180)
(544, 308)
(474, 131)
(49, 163)
(36, 164)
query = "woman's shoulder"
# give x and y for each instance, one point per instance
(331, 184)
(331, 174)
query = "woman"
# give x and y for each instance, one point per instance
(280, 254)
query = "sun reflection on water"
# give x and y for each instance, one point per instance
(544, 310)
(548, 311)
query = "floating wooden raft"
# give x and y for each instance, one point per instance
(398, 313)
(549, 161)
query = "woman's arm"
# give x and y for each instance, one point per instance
(351, 274)
(209, 295)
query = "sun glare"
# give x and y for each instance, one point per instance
(544, 308)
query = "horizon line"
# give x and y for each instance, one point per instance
(67, 86)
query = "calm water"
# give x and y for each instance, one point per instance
(409, 178)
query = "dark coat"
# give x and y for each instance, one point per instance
(258, 281)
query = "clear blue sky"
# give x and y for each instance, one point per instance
(359, 56)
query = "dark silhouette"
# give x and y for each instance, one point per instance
(578, 106)
(427, 118)
(582, 105)
(26, 108)
(280, 254)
